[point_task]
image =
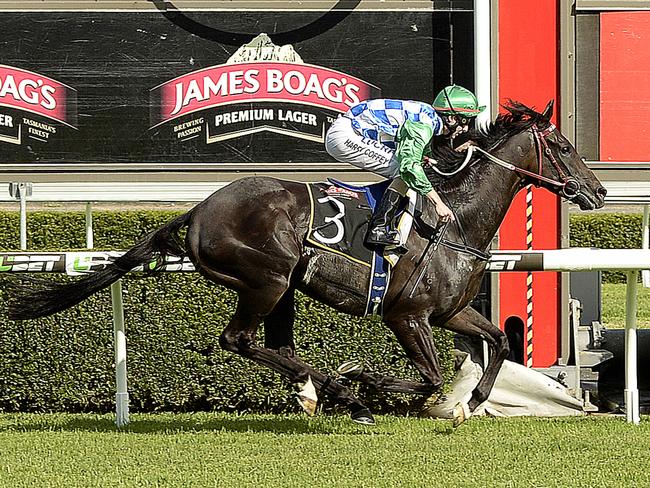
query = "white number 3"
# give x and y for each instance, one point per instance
(336, 220)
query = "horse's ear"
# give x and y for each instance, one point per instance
(548, 111)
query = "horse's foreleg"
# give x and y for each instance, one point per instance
(414, 334)
(386, 383)
(472, 323)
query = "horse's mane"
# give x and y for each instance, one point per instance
(518, 118)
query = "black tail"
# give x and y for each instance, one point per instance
(30, 298)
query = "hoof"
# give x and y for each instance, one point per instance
(307, 397)
(350, 369)
(363, 416)
(308, 405)
(461, 413)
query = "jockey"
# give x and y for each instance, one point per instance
(389, 138)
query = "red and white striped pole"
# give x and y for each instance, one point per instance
(529, 278)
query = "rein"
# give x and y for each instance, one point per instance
(477, 253)
(569, 186)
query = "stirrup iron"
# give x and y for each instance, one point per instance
(350, 369)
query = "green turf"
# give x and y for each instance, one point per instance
(267, 451)
(613, 305)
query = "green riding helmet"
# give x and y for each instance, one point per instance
(456, 100)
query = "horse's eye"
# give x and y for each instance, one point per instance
(565, 150)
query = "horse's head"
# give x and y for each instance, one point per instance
(546, 158)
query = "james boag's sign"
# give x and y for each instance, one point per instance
(33, 106)
(262, 87)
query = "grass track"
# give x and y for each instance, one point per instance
(613, 305)
(275, 451)
(220, 450)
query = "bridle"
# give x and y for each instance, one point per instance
(569, 186)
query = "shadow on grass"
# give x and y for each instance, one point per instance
(150, 424)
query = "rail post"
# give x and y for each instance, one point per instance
(631, 385)
(122, 393)
(21, 191)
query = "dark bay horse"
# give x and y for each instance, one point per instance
(250, 236)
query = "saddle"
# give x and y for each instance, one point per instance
(340, 214)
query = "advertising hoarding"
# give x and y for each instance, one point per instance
(131, 87)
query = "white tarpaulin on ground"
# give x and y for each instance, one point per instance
(518, 391)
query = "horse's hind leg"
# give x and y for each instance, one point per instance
(278, 336)
(253, 307)
(470, 322)
(278, 325)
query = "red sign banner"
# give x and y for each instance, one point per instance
(255, 82)
(38, 94)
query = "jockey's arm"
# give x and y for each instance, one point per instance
(413, 138)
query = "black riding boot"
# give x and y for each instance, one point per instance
(380, 230)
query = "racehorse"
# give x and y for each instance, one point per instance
(250, 236)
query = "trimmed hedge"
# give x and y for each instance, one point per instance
(607, 231)
(64, 363)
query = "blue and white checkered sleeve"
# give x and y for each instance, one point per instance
(433, 119)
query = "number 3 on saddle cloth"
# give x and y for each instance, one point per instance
(339, 222)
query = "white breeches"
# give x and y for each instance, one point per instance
(344, 144)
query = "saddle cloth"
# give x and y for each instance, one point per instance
(339, 221)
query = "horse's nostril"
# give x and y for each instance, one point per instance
(601, 192)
